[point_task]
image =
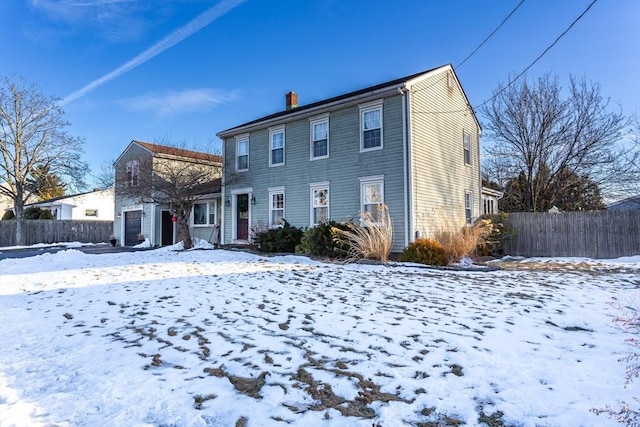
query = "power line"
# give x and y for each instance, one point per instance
(523, 71)
(490, 35)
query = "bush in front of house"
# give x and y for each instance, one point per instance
(321, 241)
(371, 239)
(281, 239)
(425, 251)
(8, 215)
(500, 230)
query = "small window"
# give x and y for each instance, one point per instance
(371, 127)
(466, 143)
(276, 138)
(319, 204)
(320, 139)
(204, 213)
(133, 173)
(276, 207)
(91, 212)
(468, 207)
(372, 197)
(242, 154)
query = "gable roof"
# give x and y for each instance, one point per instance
(157, 149)
(295, 111)
(179, 152)
(68, 196)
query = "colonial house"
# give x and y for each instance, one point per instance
(96, 205)
(142, 215)
(410, 143)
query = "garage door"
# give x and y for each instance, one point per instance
(132, 227)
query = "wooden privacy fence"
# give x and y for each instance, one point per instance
(54, 231)
(601, 234)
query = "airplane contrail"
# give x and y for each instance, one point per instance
(193, 26)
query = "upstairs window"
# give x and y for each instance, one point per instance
(133, 173)
(276, 207)
(371, 128)
(276, 139)
(242, 154)
(320, 139)
(466, 145)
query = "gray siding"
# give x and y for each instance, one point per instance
(439, 117)
(343, 168)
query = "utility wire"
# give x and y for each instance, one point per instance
(490, 35)
(523, 71)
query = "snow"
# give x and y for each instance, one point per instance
(212, 337)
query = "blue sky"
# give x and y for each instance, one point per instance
(182, 70)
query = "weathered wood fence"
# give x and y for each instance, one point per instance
(54, 231)
(602, 234)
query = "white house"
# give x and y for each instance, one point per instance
(96, 205)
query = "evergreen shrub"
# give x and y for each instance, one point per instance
(425, 251)
(281, 239)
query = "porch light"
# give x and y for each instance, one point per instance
(119, 215)
(253, 200)
(227, 202)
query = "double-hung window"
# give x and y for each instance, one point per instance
(372, 197)
(319, 203)
(468, 207)
(204, 213)
(371, 126)
(133, 173)
(319, 138)
(466, 145)
(276, 142)
(276, 206)
(242, 153)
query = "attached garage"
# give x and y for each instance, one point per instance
(132, 227)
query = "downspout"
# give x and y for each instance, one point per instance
(153, 225)
(412, 213)
(404, 166)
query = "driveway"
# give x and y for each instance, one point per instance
(91, 249)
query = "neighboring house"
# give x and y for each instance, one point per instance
(152, 220)
(628, 204)
(410, 143)
(96, 205)
(490, 199)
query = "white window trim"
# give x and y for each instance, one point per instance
(239, 139)
(273, 191)
(318, 186)
(466, 135)
(209, 204)
(313, 121)
(365, 108)
(375, 179)
(273, 131)
(468, 220)
(133, 167)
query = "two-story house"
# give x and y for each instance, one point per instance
(410, 143)
(151, 177)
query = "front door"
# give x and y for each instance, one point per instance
(167, 228)
(132, 227)
(242, 216)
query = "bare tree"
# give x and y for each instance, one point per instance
(32, 138)
(174, 177)
(544, 137)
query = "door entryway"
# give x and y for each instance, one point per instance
(167, 229)
(132, 227)
(242, 217)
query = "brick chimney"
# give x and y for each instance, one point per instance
(291, 100)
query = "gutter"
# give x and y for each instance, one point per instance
(405, 186)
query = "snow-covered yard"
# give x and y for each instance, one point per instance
(225, 338)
